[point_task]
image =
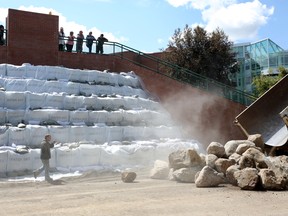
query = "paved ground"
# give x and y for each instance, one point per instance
(105, 194)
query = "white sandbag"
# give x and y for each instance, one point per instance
(74, 74)
(144, 103)
(36, 86)
(35, 100)
(131, 133)
(60, 73)
(53, 86)
(52, 72)
(149, 133)
(98, 116)
(89, 154)
(79, 116)
(19, 162)
(71, 102)
(122, 81)
(54, 101)
(77, 134)
(15, 116)
(131, 116)
(104, 103)
(3, 69)
(117, 90)
(103, 78)
(87, 90)
(31, 71)
(91, 103)
(67, 158)
(4, 135)
(155, 118)
(72, 88)
(127, 91)
(131, 103)
(59, 133)
(92, 75)
(17, 85)
(3, 163)
(36, 135)
(2, 98)
(15, 100)
(18, 136)
(58, 115)
(117, 103)
(2, 116)
(113, 79)
(42, 73)
(37, 116)
(140, 93)
(2, 82)
(114, 133)
(16, 71)
(114, 117)
(83, 75)
(96, 134)
(103, 90)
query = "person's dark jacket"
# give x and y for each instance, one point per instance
(45, 150)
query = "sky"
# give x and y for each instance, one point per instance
(148, 25)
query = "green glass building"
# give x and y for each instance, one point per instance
(261, 57)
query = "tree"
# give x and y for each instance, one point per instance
(206, 54)
(263, 83)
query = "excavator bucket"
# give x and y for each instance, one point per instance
(268, 115)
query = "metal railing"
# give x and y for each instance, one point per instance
(160, 66)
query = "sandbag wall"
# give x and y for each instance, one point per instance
(83, 106)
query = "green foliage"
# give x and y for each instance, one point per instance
(206, 54)
(263, 83)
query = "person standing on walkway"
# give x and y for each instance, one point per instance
(61, 39)
(89, 41)
(100, 42)
(79, 42)
(70, 42)
(45, 156)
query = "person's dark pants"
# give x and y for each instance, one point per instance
(99, 48)
(69, 47)
(89, 48)
(61, 47)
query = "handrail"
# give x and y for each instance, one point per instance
(197, 80)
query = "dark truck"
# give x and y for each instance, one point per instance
(268, 116)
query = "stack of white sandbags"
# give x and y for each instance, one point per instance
(102, 109)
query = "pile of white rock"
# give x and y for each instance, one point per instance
(241, 163)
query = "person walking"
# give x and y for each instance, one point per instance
(61, 39)
(45, 156)
(70, 42)
(79, 42)
(100, 42)
(89, 41)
